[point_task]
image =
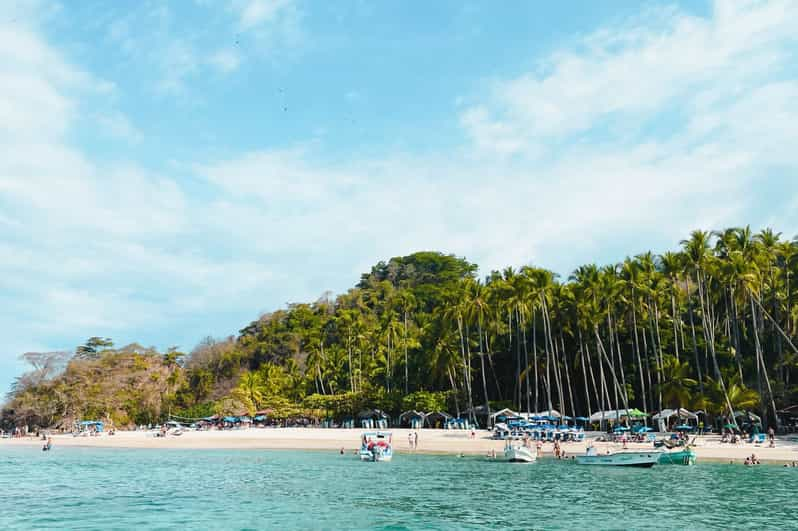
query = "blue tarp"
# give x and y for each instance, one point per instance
(231, 419)
(259, 418)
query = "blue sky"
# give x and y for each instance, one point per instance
(170, 170)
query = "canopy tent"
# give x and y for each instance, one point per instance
(502, 414)
(551, 414)
(98, 425)
(436, 419)
(663, 416)
(614, 415)
(682, 413)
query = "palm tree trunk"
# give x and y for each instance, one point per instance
(526, 359)
(695, 342)
(466, 368)
(584, 373)
(535, 357)
(709, 333)
(482, 371)
(673, 318)
(761, 361)
(659, 351)
(639, 361)
(407, 379)
(492, 367)
(454, 388)
(567, 375)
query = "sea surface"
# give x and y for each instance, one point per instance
(75, 488)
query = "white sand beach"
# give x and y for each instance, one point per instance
(430, 441)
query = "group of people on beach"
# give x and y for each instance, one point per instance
(412, 440)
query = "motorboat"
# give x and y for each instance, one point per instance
(624, 458)
(683, 456)
(376, 446)
(515, 452)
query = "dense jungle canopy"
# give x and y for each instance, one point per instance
(710, 326)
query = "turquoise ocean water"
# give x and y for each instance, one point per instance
(74, 488)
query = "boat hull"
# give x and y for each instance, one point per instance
(628, 459)
(680, 457)
(519, 455)
(384, 456)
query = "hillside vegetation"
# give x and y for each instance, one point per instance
(710, 326)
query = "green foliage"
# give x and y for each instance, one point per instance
(426, 401)
(711, 326)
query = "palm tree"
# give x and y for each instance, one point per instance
(677, 385)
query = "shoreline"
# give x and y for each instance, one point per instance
(431, 442)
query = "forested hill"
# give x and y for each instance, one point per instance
(709, 326)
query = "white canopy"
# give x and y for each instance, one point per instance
(681, 413)
(547, 413)
(610, 414)
(506, 412)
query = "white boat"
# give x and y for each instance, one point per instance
(376, 446)
(625, 458)
(516, 452)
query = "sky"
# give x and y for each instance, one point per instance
(172, 170)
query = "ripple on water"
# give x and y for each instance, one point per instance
(72, 488)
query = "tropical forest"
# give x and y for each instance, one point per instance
(711, 326)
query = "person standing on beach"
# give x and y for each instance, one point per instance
(410, 440)
(415, 440)
(772, 435)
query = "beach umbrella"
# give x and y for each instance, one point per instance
(683, 427)
(621, 428)
(636, 413)
(643, 429)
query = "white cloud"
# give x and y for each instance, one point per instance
(254, 13)
(564, 170)
(559, 167)
(77, 233)
(626, 75)
(225, 60)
